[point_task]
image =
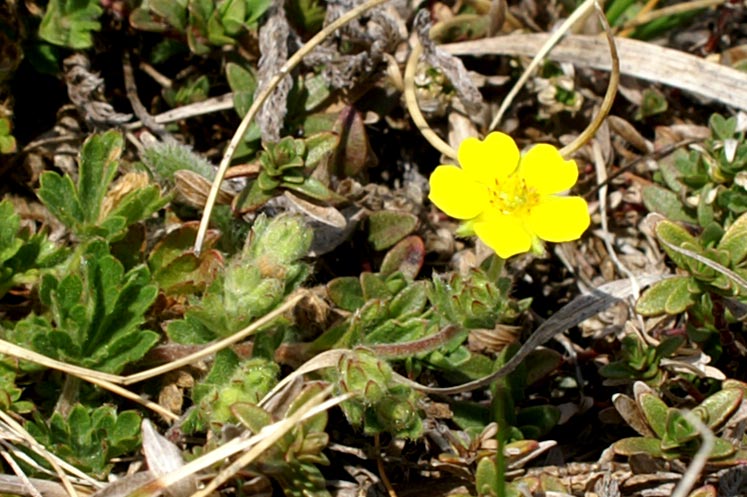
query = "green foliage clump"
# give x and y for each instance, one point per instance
(89, 437)
(71, 23)
(705, 186)
(253, 283)
(205, 24)
(23, 257)
(94, 313)
(666, 432)
(80, 206)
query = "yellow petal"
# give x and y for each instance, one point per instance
(545, 169)
(493, 158)
(505, 234)
(456, 193)
(559, 219)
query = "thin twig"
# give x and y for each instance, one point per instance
(578, 14)
(104, 380)
(217, 346)
(411, 102)
(137, 106)
(238, 136)
(609, 96)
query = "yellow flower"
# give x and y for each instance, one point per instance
(508, 200)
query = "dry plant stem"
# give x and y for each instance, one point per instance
(601, 171)
(214, 104)
(103, 380)
(381, 469)
(638, 59)
(137, 106)
(12, 485)
(217, 346)
(21, 475)
(42, 451)
(413, 109)
(701, 457)
(581, 12)
(609, 96)
(645, 17)
(290, 64)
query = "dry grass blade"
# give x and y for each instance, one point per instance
(581, 12)
(9, 426)
(292, 62)
(638, 59)
(701, 457)
(103, 380)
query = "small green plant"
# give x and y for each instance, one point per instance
(666, 433)
(94, 313)
(204, 23)
(71, 23)
(287, 165)
(706, 185)
(89, 437)
(640, 361)
(23, 257)
(253, 282)
(294, 459)
(711, 274)
(381, 404)
(81, 206)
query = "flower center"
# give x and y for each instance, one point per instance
(513, 196)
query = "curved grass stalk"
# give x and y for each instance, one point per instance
(289, 65)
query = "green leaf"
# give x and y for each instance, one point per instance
(232, 14)
(243, 83)
(678, 430)
(734, 240)
(670, 296)
(655, 412)
(173, 11)
(717, 408)
(346, 293)
(406, 257)
(674, 234)
(721, 127)
(256, 9)
(59, 196)
(313, 188)
(386, 228)
(638, 445)
(69, 23)
(667, 203)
